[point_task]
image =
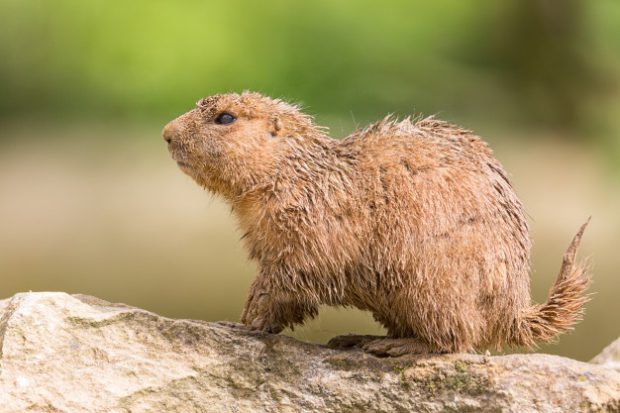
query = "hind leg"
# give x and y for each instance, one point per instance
(398, 342)
(351, 341)
(396, 347)
(426, 331)
(382, 346)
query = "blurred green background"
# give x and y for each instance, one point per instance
(90, 201)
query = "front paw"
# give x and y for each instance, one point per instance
(265, 325)
(258, 315)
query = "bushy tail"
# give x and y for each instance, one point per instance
(564, 307)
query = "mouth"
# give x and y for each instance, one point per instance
(180, 159)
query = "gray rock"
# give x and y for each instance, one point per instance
(610, 356)
(64, 353)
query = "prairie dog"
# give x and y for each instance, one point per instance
(412, 220)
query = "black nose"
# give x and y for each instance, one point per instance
(170, 130)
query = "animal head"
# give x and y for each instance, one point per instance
(231, 143)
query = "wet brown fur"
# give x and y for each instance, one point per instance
(413, 220)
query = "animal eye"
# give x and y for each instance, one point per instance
(225, 118)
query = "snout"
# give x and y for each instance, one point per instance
(171, 131)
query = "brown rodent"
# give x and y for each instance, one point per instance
(414, 221)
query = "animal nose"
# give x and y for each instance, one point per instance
(170, 131)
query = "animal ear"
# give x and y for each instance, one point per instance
(275, 125)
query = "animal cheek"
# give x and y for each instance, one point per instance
(211, 149)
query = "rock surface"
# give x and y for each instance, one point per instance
(610, 356)
(73, 353)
